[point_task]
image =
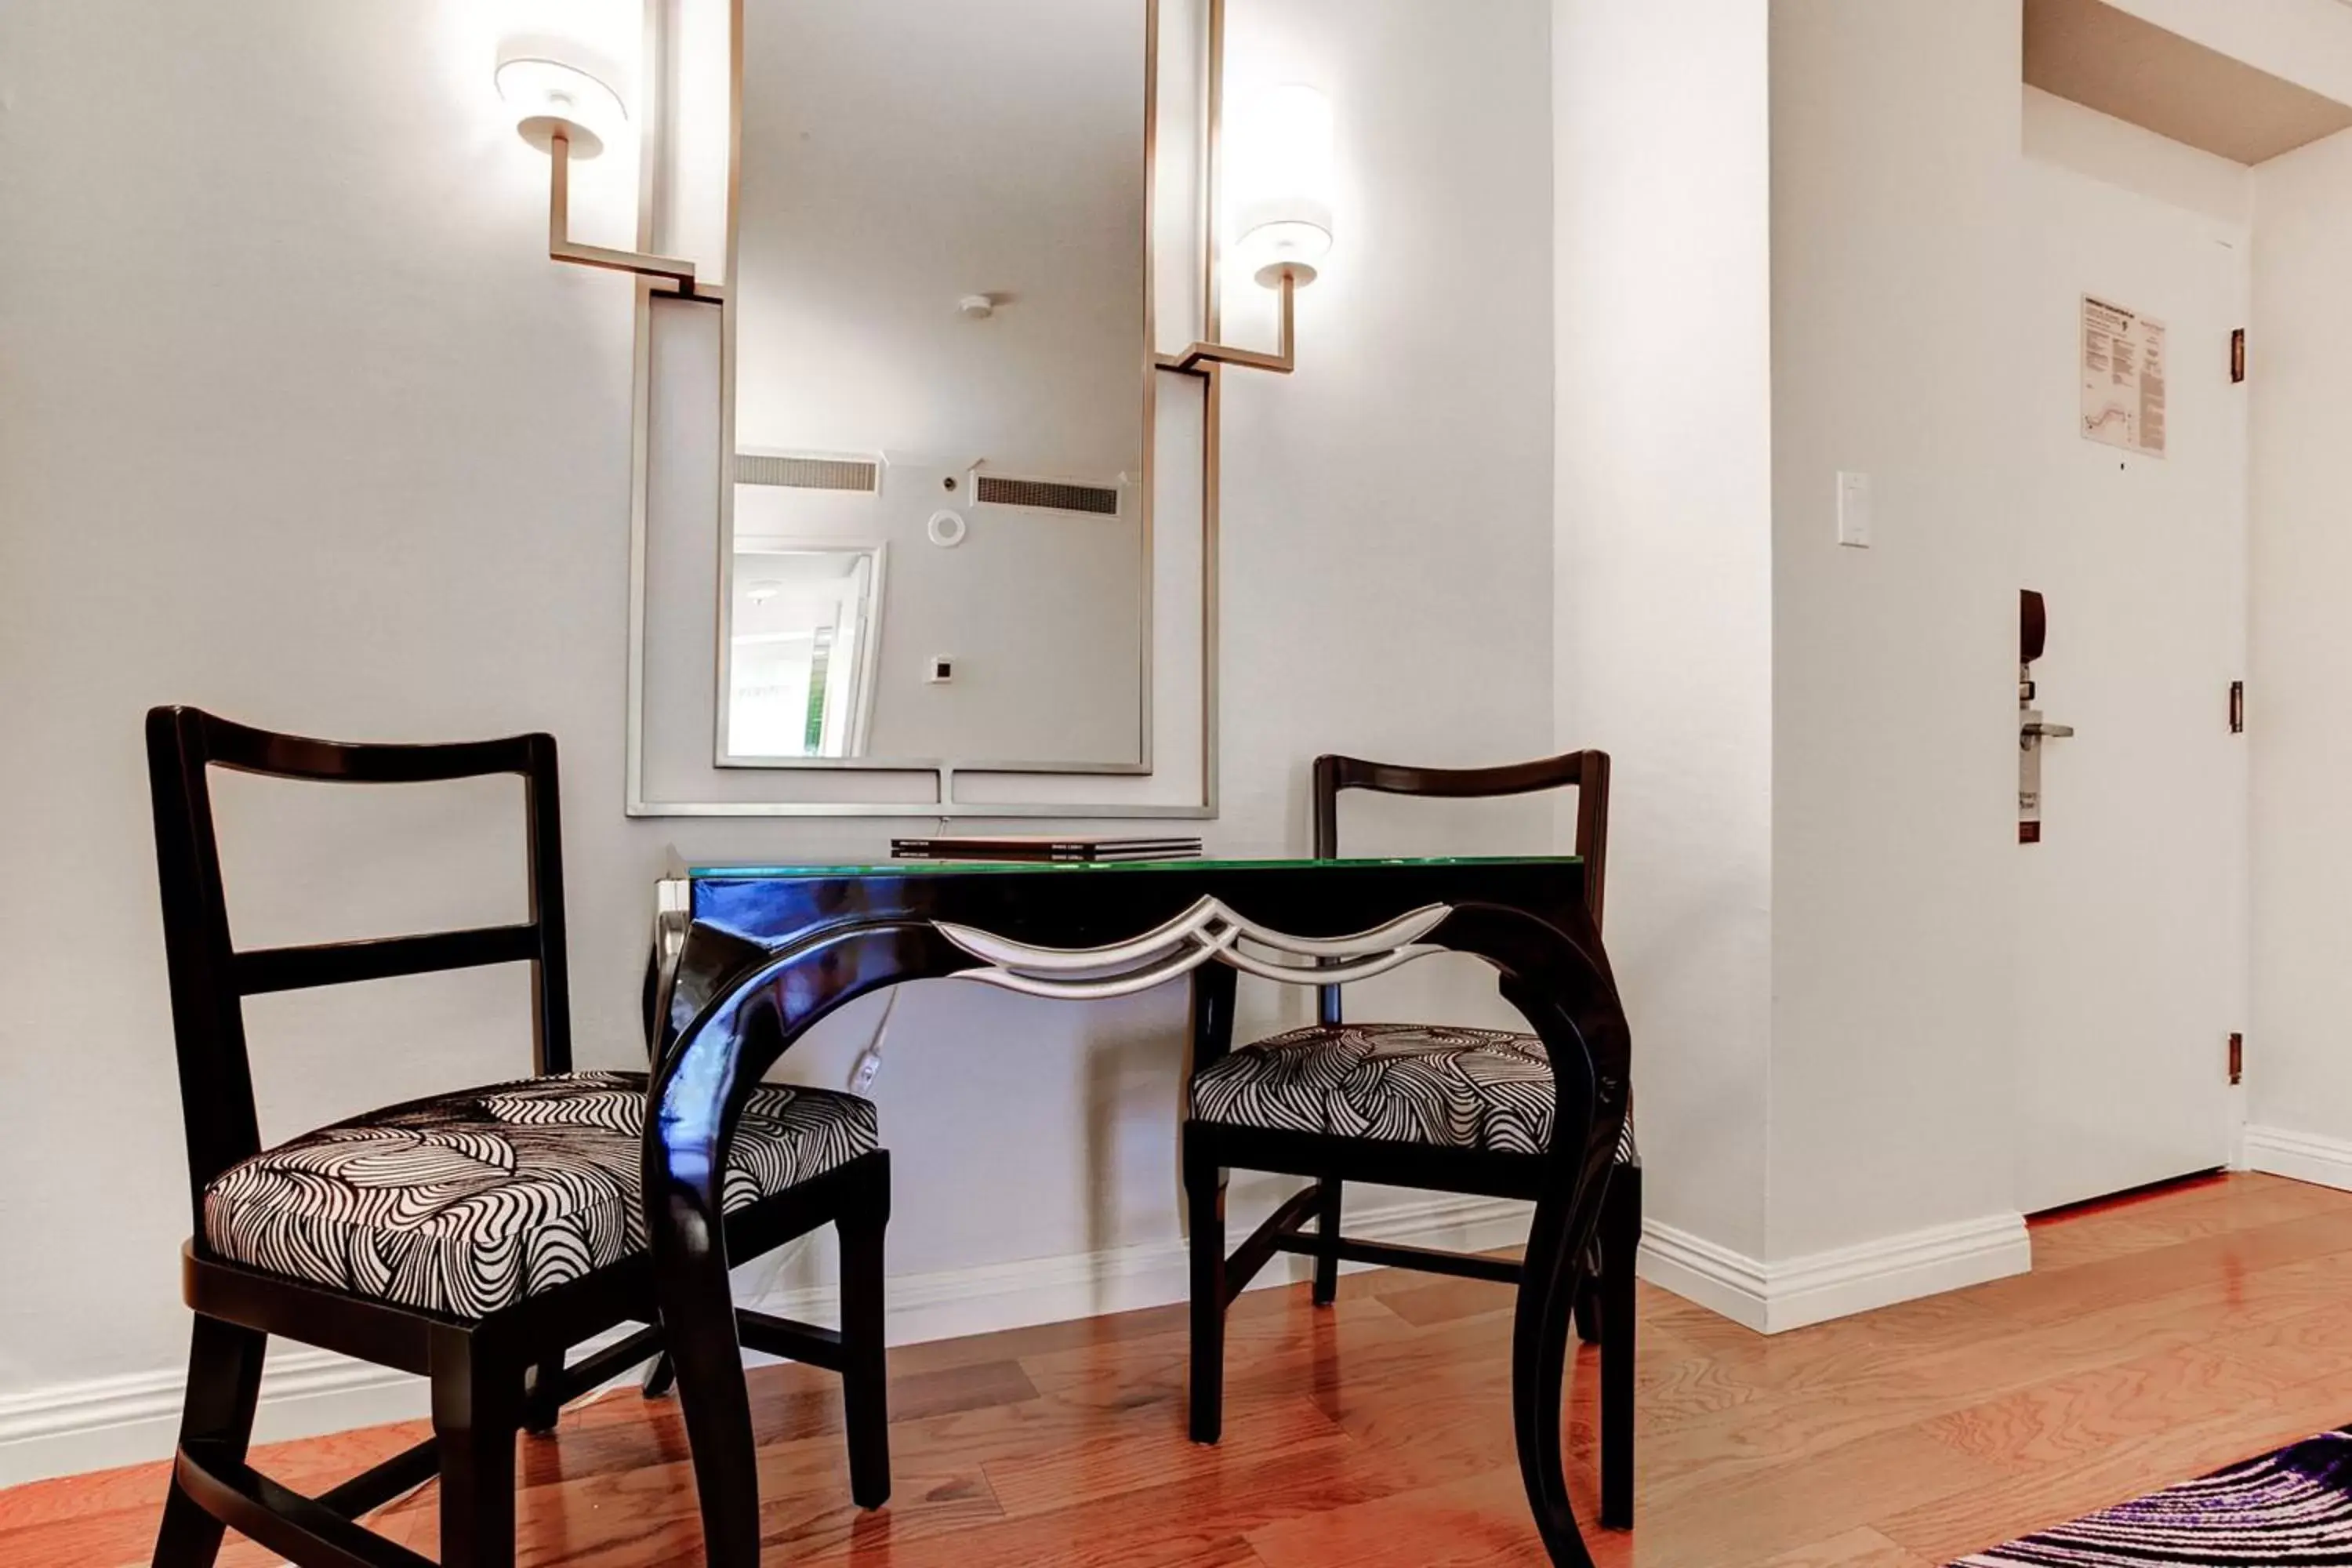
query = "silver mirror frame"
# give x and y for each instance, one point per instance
(1190, 365)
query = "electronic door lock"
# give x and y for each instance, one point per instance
(2033, 638)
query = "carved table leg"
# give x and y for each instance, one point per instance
(1568, 999)
(1539, 1330)
(698, 1317)
(692, 1115)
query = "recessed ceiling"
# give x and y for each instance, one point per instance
(2112, 61)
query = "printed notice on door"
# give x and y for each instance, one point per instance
(2123, 378)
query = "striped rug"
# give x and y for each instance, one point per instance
(2291, 1506)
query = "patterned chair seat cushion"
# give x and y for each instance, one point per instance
(1415, 1083)
(467, 1202)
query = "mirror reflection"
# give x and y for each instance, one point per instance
(801, 683)
(941, 545)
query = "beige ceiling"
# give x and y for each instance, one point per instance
(2114, 62)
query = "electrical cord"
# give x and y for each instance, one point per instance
(862, 1074)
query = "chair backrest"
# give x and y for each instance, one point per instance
(1585, 772)
(210, 979)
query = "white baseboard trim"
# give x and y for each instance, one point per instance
(955, 1302)
(1773, 1298)
(1726, 1283)
(66, 1428)
(2301, 1156)
(69, 1427)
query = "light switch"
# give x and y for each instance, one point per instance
(1853, 510)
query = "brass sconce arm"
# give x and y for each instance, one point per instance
(561, 247)
(1282, 361)
(1286, 271)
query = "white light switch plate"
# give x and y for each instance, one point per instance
(1853, 510)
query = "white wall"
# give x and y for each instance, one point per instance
(2299, 1075)
(298, 422)
(1386, 506)
(1782, 241)
(1833, 1132)
(1663, 566)
(2119, 154)
(1895, 135)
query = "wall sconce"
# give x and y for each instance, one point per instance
(1283, 171)
(567, 107)
(1282, 143)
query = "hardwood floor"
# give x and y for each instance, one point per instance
(2157, 1338)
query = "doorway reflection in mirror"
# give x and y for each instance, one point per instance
(801, 639)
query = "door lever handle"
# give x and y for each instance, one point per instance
(2041, 731)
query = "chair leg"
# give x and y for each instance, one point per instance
(1588, 1300)
(660, 1378)
(864, 1372)
(1326, 1230)
(224, 1384)
(477, 1411)
(1204, 1192)
(1620, 1241)
(540, 1408)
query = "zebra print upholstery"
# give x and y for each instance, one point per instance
(465, 1203)
(1415, 1083)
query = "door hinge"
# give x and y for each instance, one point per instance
(2237, 1058)
(2237, 356)
(2237, 708)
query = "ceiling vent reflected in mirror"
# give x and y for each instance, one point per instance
(2107, 58)
(1047, 495)
(808, 473)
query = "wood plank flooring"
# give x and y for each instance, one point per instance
(2159, 1337)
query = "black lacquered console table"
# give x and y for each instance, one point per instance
(769, 951)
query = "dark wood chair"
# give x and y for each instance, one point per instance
(474, 1238)
(1413, 1105)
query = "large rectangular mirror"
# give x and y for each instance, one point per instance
(940, 548)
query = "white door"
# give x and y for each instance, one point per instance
(2132, 937)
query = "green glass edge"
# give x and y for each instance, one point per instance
(928, 868)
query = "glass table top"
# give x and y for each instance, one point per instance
(1197, 863)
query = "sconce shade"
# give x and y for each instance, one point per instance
(551, 95)
(1282, 157)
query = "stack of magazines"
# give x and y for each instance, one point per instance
(1066, 848)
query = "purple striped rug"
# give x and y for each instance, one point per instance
(2293, 1506)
